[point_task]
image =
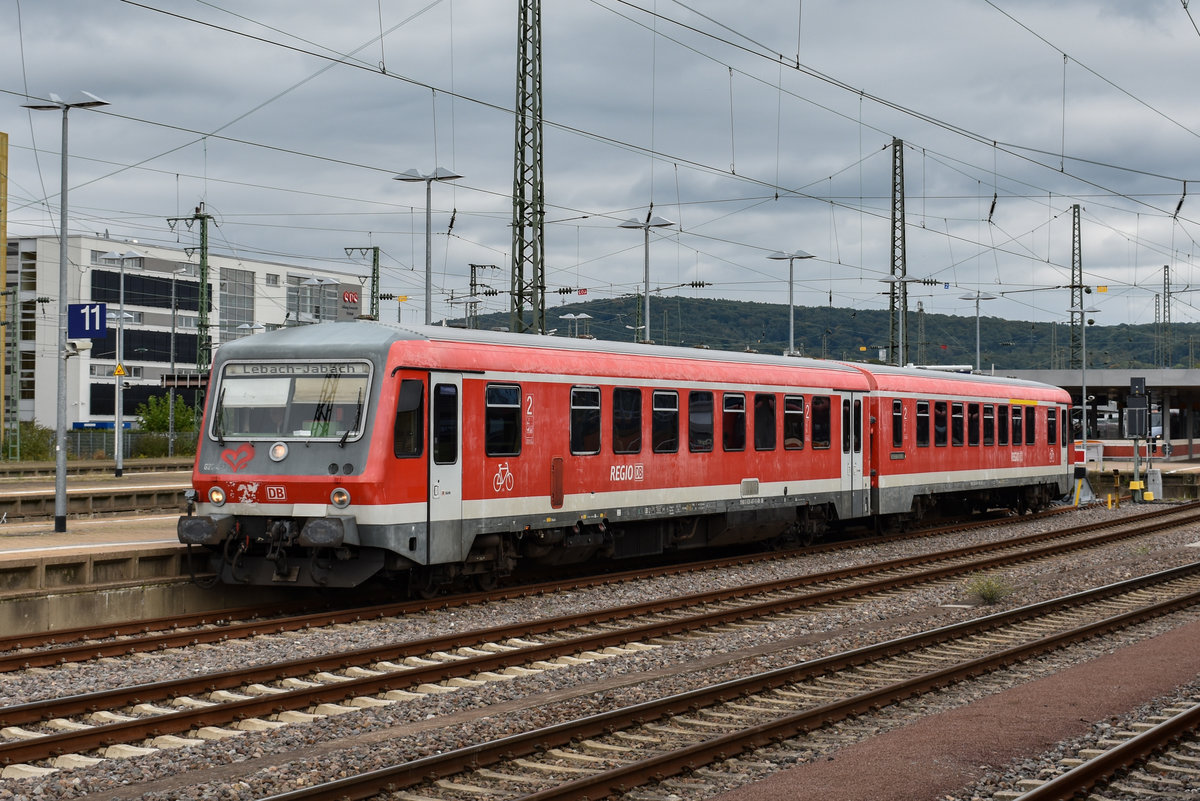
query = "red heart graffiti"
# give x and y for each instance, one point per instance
(239, 458)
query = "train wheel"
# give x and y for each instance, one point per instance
(422, 584)
(485, 582)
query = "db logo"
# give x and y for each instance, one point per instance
(276, 494)
(349, 297)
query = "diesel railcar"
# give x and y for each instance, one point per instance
(334, 453)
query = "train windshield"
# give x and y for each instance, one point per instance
(284, 400)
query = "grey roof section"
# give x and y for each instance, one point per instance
(361, 337)
(1115, 383)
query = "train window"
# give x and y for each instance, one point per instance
(973, 424)
(1001, 425)
(664, 423)
(322, 400)
(941, 423)
(956, 424)
(858, 426)
(1030, 425)
(1052, 426)
(764, 422)
(897, 423)
(407, 433)
(793, 422)
(445, 424)
(502, 420)
(627, 420)
(845, 425)
(822, 421)
(700, 422)
(585, 420)
(922, 424)
(1063, 427)
(989, 424)
(733, 422)
(1017, 436)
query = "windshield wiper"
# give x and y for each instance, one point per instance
(218, 423)
(357, 420)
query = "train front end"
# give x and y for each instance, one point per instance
(285, 489)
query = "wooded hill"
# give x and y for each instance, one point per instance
(860, 335)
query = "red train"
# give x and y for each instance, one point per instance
(333, 453)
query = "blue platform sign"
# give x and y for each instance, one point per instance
(87, 320)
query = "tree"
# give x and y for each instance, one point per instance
(155, 414)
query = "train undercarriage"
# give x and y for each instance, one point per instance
(284, 551)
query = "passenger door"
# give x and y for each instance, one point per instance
(855, 481)
(445, 468)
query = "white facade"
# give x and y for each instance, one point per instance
(244, 297)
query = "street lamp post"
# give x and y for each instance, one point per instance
(978, 296)
(1083, 396)
(119, 400)
(171, 391)
(413, 176)
(651, 222)
(85, 100)
(791, 257)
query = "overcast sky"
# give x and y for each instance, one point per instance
(755, 127)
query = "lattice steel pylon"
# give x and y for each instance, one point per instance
(1168, 344)
(529, 204)
(898, 293)
(1075, 356)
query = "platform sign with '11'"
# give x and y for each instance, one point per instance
(87, 320)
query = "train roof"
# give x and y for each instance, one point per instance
(363, 337)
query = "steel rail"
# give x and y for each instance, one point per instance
(623, 778)
(228, 630)
(102, 735)
(77, 704)
(1103, 767)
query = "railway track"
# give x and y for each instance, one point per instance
(46, 649)
(610, 753)
(223, 704)
(1159, 761)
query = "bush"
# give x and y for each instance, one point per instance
(37, 443)
(989, 589)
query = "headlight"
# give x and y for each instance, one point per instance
(278, 452)
(340, 498)
(216, 496)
